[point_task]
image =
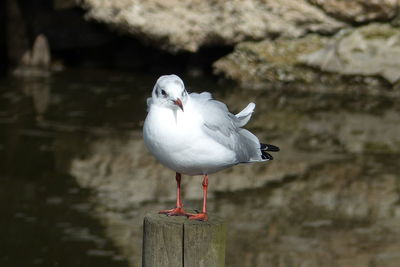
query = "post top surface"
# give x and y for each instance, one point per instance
(162, 218)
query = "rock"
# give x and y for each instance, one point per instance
(370, 50)
(359, 11)
(35, 62)
(360, 54)
(40, 57)
(176, 25)
(64, 26)
(253, 64)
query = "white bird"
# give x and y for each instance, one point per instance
(194, 134)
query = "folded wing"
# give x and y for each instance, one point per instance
(225, 127)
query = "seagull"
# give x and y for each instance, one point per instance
(194, 134)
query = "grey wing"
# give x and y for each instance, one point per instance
(224, 127)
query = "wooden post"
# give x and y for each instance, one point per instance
(175, 241)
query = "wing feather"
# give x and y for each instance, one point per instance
(224, 127)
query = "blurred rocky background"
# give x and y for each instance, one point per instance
(324, 74)
(252, 42)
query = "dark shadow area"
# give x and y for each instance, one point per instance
(3, 52)
(77, 43)
(127, 53)
(46, 216)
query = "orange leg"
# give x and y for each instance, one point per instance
(203, 215)
(178, 211)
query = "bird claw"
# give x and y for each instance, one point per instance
(199, 217)
(174, 212)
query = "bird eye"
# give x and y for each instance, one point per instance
(183, 93)
(163, 93)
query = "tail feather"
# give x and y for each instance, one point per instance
(266, 156)
(244, 116)
(267, 147)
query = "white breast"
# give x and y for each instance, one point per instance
(177, 140)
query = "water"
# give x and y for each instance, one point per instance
(75, 181)
(46, 217)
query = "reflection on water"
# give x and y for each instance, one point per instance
(331, 197)
(45, 222)
(46, 218)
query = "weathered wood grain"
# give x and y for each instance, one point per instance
(178, 242)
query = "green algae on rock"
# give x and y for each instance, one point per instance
(363, 58)
(256, 63)
(359, 11)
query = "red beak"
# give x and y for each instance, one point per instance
(178, 102)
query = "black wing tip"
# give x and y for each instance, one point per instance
(266, 156)
(268, 147)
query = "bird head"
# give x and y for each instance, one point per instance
(169, 91)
